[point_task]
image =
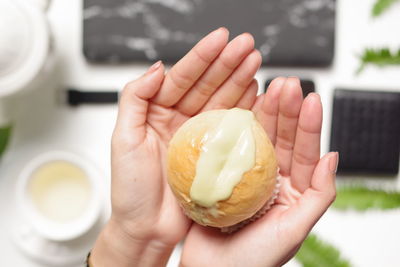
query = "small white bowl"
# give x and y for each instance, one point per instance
(46, 227)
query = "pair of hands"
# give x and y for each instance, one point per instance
(147, 222)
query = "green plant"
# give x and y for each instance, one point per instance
(381, 6)
(315, 253)
(379, 57)
(5, 133)
(361, 198)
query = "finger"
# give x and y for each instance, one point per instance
(134, 102)
(289, 109)
(315, 200)
(306, 150)
(186, 71)
(216, 74)
(267, 108)
(249, 97)
(234, 87)
(258, 103)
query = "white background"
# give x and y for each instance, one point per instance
(43, 122)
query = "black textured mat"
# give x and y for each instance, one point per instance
(307, 86)
(366, 131)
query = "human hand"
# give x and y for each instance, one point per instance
(307, 187)
(146, 221)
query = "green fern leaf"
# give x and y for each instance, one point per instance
(379, 57)
(315, 253)
(360, 198)
(381, 6)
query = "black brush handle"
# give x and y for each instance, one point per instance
(77, 97)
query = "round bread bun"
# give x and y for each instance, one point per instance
(252, 192)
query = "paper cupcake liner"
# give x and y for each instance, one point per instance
(259, 213)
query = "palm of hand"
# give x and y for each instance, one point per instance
(154, 200)
(213, 75)
(294, 126)
(270, 237)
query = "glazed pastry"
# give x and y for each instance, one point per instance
(222, 167)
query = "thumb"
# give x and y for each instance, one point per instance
(316, 199)
(134, 101)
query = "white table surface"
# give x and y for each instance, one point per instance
(43, 122)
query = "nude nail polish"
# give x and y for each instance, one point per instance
(333, 162)
(154, 67)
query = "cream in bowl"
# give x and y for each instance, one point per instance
(59, 195)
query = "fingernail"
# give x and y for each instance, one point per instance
(333, 162)
(245, 35)
(294, 79)
(220, 30)
(154, 67)
(313, 97)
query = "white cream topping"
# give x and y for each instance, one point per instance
(227, 153)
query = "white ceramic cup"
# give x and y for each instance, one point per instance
(25, 44)
(43, 225)
(25, 48)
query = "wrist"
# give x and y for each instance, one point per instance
(116, 247)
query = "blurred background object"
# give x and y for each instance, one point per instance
(290, 32)
(366, 131)
(60, 200)
(99, 45)
(24, 51)
(76, 97)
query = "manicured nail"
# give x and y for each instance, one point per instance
(333, 162)
(314, 97)
(220, 30)
(245, 34)
(294, 79)
(154, 67)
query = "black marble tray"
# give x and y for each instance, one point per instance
(287, 32)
